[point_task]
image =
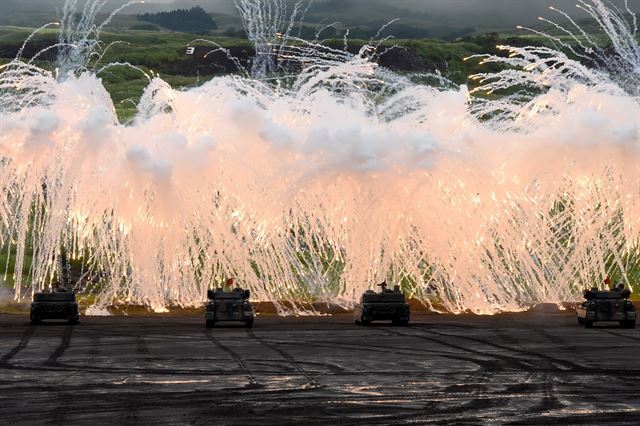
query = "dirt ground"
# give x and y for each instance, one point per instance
(532, 368)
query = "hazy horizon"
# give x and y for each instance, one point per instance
(481, 13)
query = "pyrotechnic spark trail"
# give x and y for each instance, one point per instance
(316, 186)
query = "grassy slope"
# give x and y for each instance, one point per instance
(158, 51)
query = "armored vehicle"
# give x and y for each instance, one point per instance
(229, 306)
(59, 304)
(386, 305)
(608, 305)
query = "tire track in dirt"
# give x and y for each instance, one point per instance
(484, 398)
(252, 380)
(62, 347)
(490, 363)
(625, 336)
(24, 341)
(552, 363)
(549, 401)
(286, 356)
(480, 397)
(553, 367)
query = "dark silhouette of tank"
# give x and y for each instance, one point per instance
(607, 306)
(58, 304)
(386, 305)
(229, 306)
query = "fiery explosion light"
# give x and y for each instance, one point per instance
(317, 186)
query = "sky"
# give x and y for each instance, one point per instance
(505, 13)
(513, 11)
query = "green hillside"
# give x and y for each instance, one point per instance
(164, 52)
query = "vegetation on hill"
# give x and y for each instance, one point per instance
(194, 20)
(165, 53)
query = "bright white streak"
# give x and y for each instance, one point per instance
(318, 188)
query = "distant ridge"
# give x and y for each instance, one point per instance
(194, 20)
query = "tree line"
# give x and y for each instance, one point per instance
(194, 20)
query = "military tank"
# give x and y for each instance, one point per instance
(607, 306)
(58, 304)
(387, 305)
(231, 305)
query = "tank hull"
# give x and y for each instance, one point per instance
(217, 311)
(229, 307)
(399, 313)
(602, 311)
(54, 310)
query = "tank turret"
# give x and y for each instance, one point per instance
(384, 305)
(607, 306)
(231, 305)
(57, 304)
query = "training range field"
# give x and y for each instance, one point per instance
(515, 368)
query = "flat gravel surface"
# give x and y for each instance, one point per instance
(532, 368)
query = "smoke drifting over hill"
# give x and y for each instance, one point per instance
(461, 13)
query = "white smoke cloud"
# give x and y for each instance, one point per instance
(333, 180)
(6, 295)
(140, 157)
(44, 122)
